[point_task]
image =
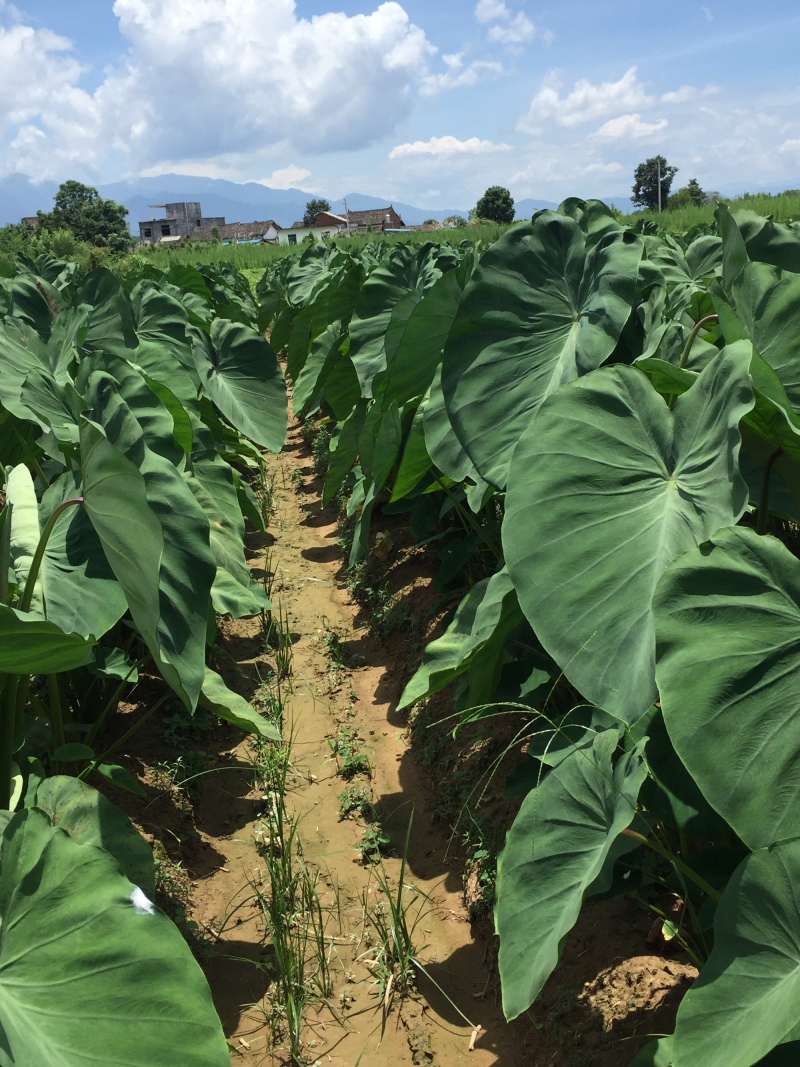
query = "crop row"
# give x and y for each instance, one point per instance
(133, 414)
(599, 425)
(596, 427)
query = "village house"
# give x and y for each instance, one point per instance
(180, 220)
(185, 222)
(298, 231)
(375, 220)
(326, 224)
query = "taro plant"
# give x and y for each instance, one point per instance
(594, 429)
(123, 403)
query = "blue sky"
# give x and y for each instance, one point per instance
(422, 102)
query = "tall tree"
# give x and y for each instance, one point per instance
(645, 188)
(496, 204)
(695, 192)
(313, 208)
(80, 209)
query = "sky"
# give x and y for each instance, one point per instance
(418, 101)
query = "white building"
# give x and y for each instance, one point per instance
(296, 233)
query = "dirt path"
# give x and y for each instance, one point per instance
(326, 698)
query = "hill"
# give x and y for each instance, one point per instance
(247, 202)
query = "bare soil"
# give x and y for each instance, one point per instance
(613, 987)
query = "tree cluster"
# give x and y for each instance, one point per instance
(81, 210)
(496, 205)
(646, 188)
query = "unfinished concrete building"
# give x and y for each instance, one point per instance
(180, 220)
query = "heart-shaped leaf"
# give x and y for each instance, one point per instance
(554, 851)
(607, 486)
(29, 644)
(89, 965)
(241, 375)
(90, 819)
(728, 630)
(539, 311)
(745, 1001)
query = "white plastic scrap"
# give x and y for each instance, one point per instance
(141, 904)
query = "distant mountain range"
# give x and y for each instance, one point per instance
(249, 202)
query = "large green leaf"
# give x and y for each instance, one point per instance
(211, 482)
(160, 322)
(305, 273)
(90, 972)
(115, 499)
(671, 794)
(29, 644)
(655, 1054)
(379, 447)
(91, 819)
(415, 462)
(22, 351)
(342, 389)
(538, 312)
(554, 851)
(82, 593)
(746, 999)
(111, 327)
(487, 614)
(770, 242)
(419, 350)
(332, 300)
(728, 630)
(686, 272)
(595, 218)
(768, 303)
(241, 375)
(55, 403)
(36, 302)
(234, 708)
(407, 270)
(154, 425)
(68, 332)
(344, 449)
(321, 361)
(608, 486)
(187, 565)
(441, 442)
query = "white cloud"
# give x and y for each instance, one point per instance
(708, 13)
(240, 72)
(688, 93)
(516, 31)
(210, 78)
(290, 177)
(457, 76)
(489, 10)
(602, 168)
(196, 168)
(631, 126)
(447, 146)
(585, 103)
(508, 29)
(34, 68)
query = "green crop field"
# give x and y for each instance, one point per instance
(591, 425)
(781, 207)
